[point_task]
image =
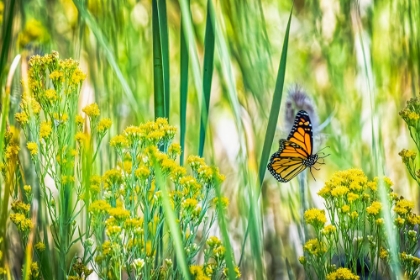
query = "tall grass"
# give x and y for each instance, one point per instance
(210, 67)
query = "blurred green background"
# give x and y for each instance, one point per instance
(358, 61)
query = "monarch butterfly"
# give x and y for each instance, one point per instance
(295, 153)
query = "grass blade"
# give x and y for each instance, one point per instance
(208, 66)
(6, 36)
(184, 60)
(275, 105)
(158, 76)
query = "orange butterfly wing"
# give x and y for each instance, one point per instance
(295, 153)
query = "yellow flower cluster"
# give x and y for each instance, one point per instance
(315, 217)
(146, 160)
(352, 202)
(342, 274)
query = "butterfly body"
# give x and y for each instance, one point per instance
(295, 153)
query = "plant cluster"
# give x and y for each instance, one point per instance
(115, 224)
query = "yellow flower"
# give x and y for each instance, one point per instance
(329, 229)
(119, 213)
(80, 120)
(174, 150)
(315, 217)
(302, 260)
(149, 249)
(45, 130)
(40, 246)
(99, 207)
(354, 215)
(51, 95)
(22, 118)
(345, 208)
(22, 223)
(339, 191)
(104, 125)
(27, 189)
(34, 270)
(342, 274)
(20, 207)
(315, 247)
(406, 155)
(32, 147)
(112, 176)
(213, 241)
(92, 110)
(81, 137)
(383, 253)
(78, 76)
(223, 202)
(197, 272)
(352, 197)
(56, 75)
(403, 206)
(142, 172)
(118, 141)
(374, 208)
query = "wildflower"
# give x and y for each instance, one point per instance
(174, 150)
(298, 99)
(223, 202)
(78, 76)
(56, 75)
(99, 207)
(45, 130)
(104, 125)
(119, 213)
(20, 207)
(329, 229)
(80, 120)
(407, 155)
(112, 177)
(195, 162)
(11, 151)
(354, 215)
(22, 223)
(34, 270)
(92, 110)
(413, 219)
(339, 191)
(302, 260)
(149, 249)
(22, 118)
(27, 189)
(351, 197)
(33, 148)
(138, 264)
(142, 172)
(383, 253)
(403, 206)
(315, 217)
(213, 241)
(315, 247)
(345, 208)
(51, 95)
(198, 273)
(374, 208)
(342, 274)
(40, 246)
(118, 141)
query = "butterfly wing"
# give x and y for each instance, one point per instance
(301, 132)
(285, 164)
(295, 153)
